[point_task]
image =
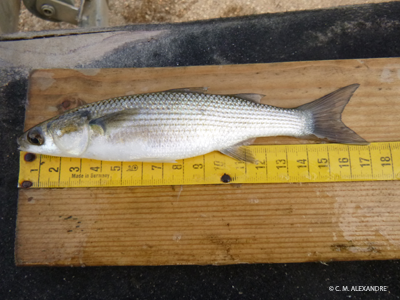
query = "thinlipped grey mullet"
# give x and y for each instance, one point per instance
(177, 124)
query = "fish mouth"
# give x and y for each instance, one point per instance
(21, 141)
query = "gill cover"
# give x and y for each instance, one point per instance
(70, 132)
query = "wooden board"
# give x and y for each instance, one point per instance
(221, 224)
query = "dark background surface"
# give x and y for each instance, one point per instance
(366, 31)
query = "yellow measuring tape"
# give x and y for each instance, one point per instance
(277, 164)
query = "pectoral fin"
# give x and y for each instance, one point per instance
(117, 119)
(239, 151)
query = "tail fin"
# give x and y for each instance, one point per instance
(327, 117)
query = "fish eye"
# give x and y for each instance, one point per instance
(35, 137)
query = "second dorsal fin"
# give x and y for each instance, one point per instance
(256, 98)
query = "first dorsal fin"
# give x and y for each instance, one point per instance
(201, 90)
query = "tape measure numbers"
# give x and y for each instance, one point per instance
(277, 164)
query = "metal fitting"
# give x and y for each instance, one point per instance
(48, 10)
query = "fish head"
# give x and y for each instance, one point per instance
(66, 135)
(37, 140)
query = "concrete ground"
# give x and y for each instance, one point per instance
(124, 12)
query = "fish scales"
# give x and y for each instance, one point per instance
(179, 109)
(172, 121)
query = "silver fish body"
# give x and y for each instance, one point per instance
(172, 125)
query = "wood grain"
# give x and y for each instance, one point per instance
(220, 224)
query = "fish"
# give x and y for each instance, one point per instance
(182, 123)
